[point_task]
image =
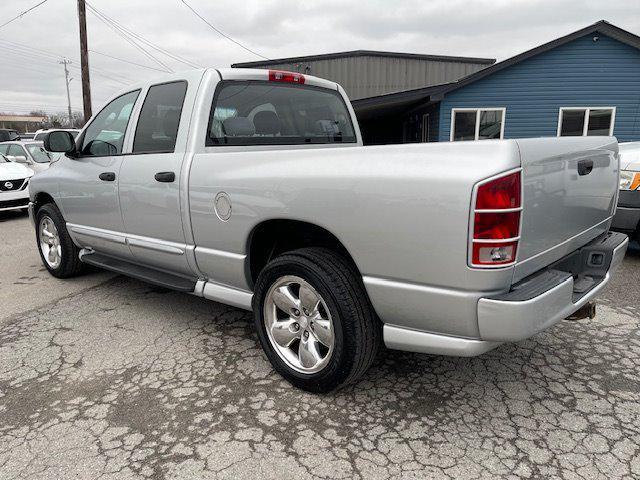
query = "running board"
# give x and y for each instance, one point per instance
(146, 274)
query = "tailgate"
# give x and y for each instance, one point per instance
(570, 188)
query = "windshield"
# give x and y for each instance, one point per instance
(268, 113)
(38, 153)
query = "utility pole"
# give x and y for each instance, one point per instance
(66, 62)
(84, 60)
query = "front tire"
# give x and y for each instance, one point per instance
(314, 319)
(58, 252)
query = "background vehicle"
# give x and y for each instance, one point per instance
(14, 185)
(627, 218)
(252, 188)
(8, 134)
(40, 134)
(32, 154)
(27, 136)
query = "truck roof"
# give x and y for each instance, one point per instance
(226, 74)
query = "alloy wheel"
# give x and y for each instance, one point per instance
(298, 324)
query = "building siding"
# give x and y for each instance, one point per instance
(581, 73)
(368, 76)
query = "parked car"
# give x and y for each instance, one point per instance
(253, 188)
(627, 218)
(40, 134)
(14, 185)
(32, 154)
(27, 136)
(7, 134)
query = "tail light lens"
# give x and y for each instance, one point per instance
(287, 77)
(496, 221)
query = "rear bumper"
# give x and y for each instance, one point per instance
(544, 299)
(532, 305)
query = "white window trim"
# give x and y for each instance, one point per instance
(585, 126)
(478, 110)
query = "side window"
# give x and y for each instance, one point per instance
(105, 135)
(159, 120)
(477, 123)
(577, 122)
(4, 149)
(17, 151)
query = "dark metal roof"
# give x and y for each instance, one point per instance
(398, 102)
(364, 53)
(603, 27)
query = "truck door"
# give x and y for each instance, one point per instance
(89, 194)
(150, 180)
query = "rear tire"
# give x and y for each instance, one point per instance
(58, 252)
(343, 327)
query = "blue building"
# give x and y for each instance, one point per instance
(586, 83)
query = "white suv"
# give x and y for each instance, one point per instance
(14, 185)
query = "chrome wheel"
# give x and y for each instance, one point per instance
(299, 324)
(50, 242)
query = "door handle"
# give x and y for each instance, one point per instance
(585, 167)
(107, 176)
(166, 177)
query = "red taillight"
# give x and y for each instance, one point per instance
(492, 226)
(501, 193)
(496, 221)
(288, 77)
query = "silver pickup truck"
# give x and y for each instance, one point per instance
(252, 188)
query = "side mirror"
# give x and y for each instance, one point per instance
(21, 159)
(61, 142)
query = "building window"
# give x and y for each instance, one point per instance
(477, 123)
(586, 121)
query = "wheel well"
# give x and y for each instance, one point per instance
(41, 199)
(274, 237)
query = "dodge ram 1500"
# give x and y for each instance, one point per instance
(252, 188)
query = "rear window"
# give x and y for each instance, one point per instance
(267, 113)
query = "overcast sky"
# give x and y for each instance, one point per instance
(499, 29)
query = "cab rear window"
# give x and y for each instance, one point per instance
(268, 113)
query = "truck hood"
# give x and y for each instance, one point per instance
(14, 171)
(630, 156)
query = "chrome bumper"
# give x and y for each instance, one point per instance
(506, 320)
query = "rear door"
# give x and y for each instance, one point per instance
(150, 180)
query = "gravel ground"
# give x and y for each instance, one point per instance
(110, 378)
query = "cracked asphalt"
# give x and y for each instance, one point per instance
(115, 379)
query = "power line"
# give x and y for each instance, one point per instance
(140, 38)
(23, 13)
(222, 33)
(127, 61)
(37, 53)
(127, 38)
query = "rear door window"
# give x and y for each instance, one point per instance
(268, 113)
(17, 151)
(159, 119)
